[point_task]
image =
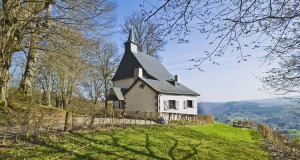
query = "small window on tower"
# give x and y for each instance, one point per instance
(142, 86)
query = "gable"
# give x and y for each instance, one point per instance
(137, 84)
(140, 97)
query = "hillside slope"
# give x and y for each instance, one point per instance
(214, 141)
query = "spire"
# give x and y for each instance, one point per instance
(131, 36)
(130, 45)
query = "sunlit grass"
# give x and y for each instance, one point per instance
(214, 141)
(297, 141)
(294, 133)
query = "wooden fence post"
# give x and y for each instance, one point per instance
(145, 118)
(130, 117)
(151, 117)
(92, 120)
(105, 115)
(39, 121)
(49, 121)
(4, 137)
(113, 117)
(135, 116)
(169, 118)
(29, 124)
(123, 117)
(18, 125)
(66, 127)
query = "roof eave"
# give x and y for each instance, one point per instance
(176, 93)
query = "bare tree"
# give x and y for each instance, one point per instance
(22, 19)
(284, 79)
(108, 64)
(232, 26)
(147, 34)
(66, 60)
(270, 24)
(103, 63)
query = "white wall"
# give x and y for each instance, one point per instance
(180, 99)
(124, 83)
(138, 99)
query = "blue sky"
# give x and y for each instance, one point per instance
(229, 81)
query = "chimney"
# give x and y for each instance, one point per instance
(138, 73)
(130, 45)
(177, 80)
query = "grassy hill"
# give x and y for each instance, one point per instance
(214, 141)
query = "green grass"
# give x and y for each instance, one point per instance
(297, 141)
(294, 133)
(214, 141)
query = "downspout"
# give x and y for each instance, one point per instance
(158, 101)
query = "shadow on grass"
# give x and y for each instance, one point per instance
(113, 145)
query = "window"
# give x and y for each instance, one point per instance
(172, 104)
(189, 104)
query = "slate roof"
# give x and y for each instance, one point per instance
(154, 73)
(118, 92)
(152, 68)
(167, 87)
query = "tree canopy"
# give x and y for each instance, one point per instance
(232, 26)
(147, 34)
(42, 29)
(270, 24)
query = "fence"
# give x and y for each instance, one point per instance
(120, 117)
(277, 141)
(280, 141)
(26, 123)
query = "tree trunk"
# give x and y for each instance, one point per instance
(49, 89)
(4, 79)
(105, 92)
(28, 82)
(68, 95)
(62, 90)
(57, 100)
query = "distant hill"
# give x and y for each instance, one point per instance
(281, 114)
(256, 106)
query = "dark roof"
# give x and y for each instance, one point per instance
(154, 73)
(116, 93)
(167, 87)
(152, 68)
